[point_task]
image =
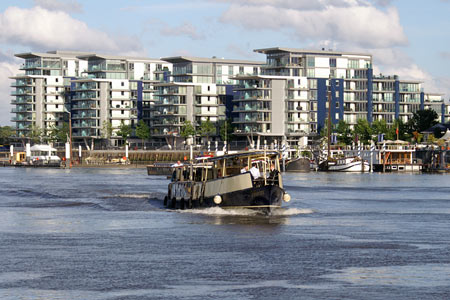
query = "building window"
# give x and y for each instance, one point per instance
(56, 97)
(122, 83)
(122, 93)
(56, 79)
(209, 88)
(311, 62)
(333, 62)
(57, 105)
(122, 112)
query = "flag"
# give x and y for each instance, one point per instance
(396, 131)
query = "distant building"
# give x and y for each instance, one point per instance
(281, 100)
(200, 89)
(288, 101)
(114, 90)
(41, 93)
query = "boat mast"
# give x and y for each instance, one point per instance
(329, 119)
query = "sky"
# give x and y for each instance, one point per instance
(409, 38)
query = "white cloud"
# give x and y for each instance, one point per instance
(69, 6)
(237, 50)
(40, 28)
(185, 29)
(351, 21)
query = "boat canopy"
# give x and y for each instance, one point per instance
(249, 154)
(44, 148)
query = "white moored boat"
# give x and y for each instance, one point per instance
(348, 164)
(44, 155)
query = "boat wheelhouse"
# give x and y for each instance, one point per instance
(224, 181)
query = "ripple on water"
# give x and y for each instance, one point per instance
(426, 275)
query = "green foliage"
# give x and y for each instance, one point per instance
(142, 130)
(306, 153)
(363, 130)
(59, 134)
(379, 127)
(187, 130)
(106, 130)
(344, 133)
(402, 131)
(6, 135)
(124, 131)
(226, 130)
(207, 128)
(35, 134)
(422, 120)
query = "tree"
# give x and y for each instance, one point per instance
(379, 127)
(363, 130)
(35, 133)
(422, 120)
(59, 134)
(402, 131)
(187, 130)
(226, 131)
(106, 130)
(207, 128)
(344, 133)
(6, 134)
(142, 131)
(124, 131)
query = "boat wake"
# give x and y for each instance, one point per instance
(217, 211)
(291, 211)
(133, 196)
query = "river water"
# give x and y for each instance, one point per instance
(104, 234)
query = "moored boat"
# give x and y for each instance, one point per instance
(224, 181)
(347, 164)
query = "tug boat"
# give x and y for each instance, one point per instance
(225, 182)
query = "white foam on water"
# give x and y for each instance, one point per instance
(217, 211)
(134, 196)
(291, 211)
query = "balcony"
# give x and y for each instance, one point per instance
(22, 91)
(84, 96)
(84, 124)
(85, 106)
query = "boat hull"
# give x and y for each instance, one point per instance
(186, 195)
(350, 167)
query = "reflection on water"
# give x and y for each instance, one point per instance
(104, 234)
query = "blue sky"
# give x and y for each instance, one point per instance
(407, 38)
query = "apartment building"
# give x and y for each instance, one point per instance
(41, 93)
(289, 100)
(200, 89)
(284, 98)
(113, 90)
